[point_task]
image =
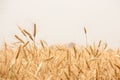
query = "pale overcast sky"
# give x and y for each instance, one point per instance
(62, 21)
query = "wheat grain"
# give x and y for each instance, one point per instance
(30, 36)
(21, 31)
(42, 43)
(49, 59)
(19, 39)
(85, 31)
(18, 52)
(105, 46)
(34, 30)
(99, 43)
(26, 44)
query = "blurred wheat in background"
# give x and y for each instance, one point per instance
(31, 60)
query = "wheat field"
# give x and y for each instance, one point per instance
(31, 60)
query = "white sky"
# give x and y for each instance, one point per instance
(62, 21)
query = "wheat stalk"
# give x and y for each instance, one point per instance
(85, 31)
